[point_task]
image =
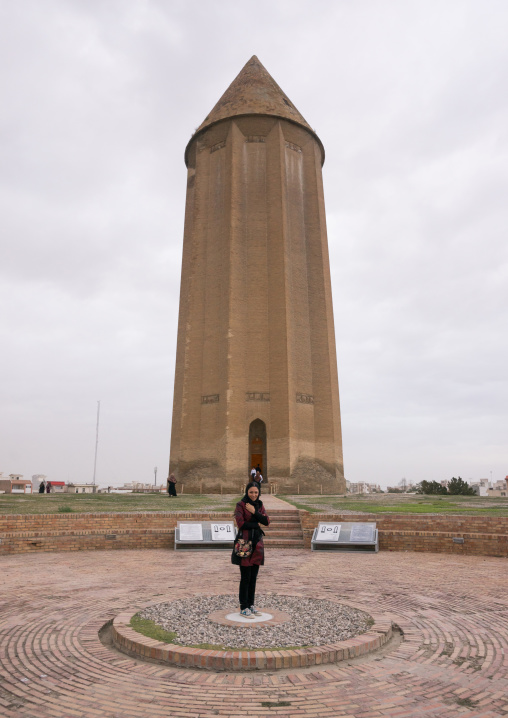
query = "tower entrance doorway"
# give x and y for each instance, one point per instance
(257, 447)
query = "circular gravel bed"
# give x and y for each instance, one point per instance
(314, 622)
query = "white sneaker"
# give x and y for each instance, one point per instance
(247, 613)
(254, 611)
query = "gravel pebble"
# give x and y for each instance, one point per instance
(314, 622)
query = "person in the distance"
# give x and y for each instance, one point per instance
(172, 485)
(249, 514)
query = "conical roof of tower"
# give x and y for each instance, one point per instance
(254, 92)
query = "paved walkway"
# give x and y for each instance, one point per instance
(272, 502)
(453, 661)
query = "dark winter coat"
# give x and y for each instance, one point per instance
(248, 523)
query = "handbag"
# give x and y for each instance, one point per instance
(242, 548)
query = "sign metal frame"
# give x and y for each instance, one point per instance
(207, 542)
(352, 538)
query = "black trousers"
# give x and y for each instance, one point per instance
(247, 593)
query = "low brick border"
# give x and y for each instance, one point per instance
(30, 533)
(277, 617)
(129, 641)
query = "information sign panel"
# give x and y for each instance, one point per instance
(328, 532)
(362, 532)
(190, 532)
(223, 532)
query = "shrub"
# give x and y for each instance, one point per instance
(430, 487)
(459, 487)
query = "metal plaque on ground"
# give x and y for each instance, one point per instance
(223, 531)
(351, 537)
(362, 532)
(190, 532)
(204, 536)
(328, 532)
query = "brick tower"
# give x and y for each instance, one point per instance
(256, 368)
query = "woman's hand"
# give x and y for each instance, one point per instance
(250, 508)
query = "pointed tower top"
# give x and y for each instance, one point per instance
(254, 92)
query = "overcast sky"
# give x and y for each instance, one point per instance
(98, 100)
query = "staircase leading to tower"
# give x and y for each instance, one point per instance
(285, 530)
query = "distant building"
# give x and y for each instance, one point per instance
(362, 487)
(75, 488)
(15, 484)
(500, 485)
(37, 480)
(406, 485)
(113, 490)
(497, 492)
(139, 488)
(481, 486)
(499, 488)
(57, 487)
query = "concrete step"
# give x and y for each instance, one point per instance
(284, 512)
(290, 519)
(283, 543)
(284, 526)
(285, 530)
(279, 527)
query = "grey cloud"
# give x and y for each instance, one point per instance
(99, 101)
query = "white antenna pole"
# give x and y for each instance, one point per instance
(96, 440)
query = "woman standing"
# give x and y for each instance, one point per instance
(249, 513)
(172, 485)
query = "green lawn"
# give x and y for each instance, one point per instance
(402, 503)
(375, 503)
(93, 503)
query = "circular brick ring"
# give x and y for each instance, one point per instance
(129, 641)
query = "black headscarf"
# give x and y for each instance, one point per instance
(247, 500)
(256, 533)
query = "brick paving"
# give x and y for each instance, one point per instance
(453, 660)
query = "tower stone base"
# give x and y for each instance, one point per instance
(309, 476)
